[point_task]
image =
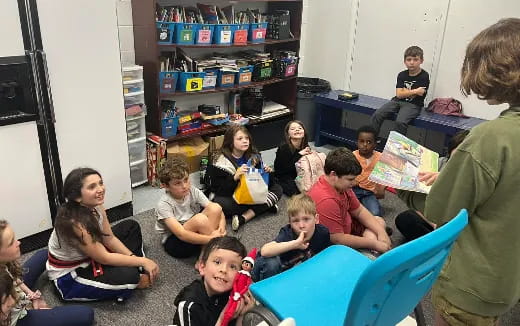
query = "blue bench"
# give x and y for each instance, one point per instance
(329, 116)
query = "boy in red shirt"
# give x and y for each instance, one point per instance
(348, 221)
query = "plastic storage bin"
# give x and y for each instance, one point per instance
(132, 86)
(226, 78)
(169, 126)
(240, 33)
(165, 31)
(132, 73)
(138, 173)
(185, 33)
(263, 70)
(135, 128)
(134, 98)
(257, 32)
(244, 75)
(137, 149)
(210, 78)
(168, 81)
(224, 34)
(204, 34)
(191, 81)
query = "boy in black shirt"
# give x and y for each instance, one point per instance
(411, 88)
(203, 302)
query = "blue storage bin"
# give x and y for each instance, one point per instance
(165, 31)
(244, 75)
(204, 34)
(191, 81)
(224, 34)
(257, 32)
(185, 33)
(226, 78)
(210, 78)
(169, 126)
(168, 81)
(240, 33)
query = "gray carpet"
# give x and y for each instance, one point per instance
(154, 306)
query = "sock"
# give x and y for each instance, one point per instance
(241, 220)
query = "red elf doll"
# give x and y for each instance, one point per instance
(241, 284)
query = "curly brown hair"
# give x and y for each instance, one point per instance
(491, 68)
(12, 266)
(175, 167)
(6, 290)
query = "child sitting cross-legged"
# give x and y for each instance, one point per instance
(299, 240)
(368, 192)
(203, 302)
(185, 217)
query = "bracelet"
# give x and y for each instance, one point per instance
(35, 295)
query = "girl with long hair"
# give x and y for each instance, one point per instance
(224, 175)
(89, 259)
(22, 306)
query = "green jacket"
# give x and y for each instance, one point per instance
(482, 274)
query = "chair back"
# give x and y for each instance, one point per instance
(394, 283)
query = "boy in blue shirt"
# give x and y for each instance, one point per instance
(296, 242)
(411, 88)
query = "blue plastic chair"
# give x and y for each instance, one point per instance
(340, 286)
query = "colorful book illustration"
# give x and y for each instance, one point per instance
(400, 163)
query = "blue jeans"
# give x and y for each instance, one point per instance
(266, 267)
(369, 200)
(58, 316)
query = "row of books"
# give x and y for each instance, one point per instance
(209, 14)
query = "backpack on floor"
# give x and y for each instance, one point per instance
(446, 106)
(308, 169)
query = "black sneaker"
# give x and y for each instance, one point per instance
(273, 209)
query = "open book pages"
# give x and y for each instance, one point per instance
(400, 163)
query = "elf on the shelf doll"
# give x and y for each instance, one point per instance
(241, 284)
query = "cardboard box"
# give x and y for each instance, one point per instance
(156, 156)
(193, 149)
(215, 144)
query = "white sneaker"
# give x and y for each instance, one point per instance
(235, 223)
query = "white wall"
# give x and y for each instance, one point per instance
(465, 20)
(325, 40)
(365, 51)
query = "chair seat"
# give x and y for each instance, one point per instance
(328, 278)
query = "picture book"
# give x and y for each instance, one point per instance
(400, 163)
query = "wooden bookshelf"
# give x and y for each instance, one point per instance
(148, 51)
(220, 129)
(226, 89)
(173, 47)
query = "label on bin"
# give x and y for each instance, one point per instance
(225, 36)
(204, 36)
(259, 33)
(167, 84)
(245, 77)
(186, 35)
(241, 36)
(193, 84)
(290, 70)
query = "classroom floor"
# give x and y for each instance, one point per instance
(154, 306)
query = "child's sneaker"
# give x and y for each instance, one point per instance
(274, 209)
(235, 223)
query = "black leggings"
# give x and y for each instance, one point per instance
(230, 206)
(412, 225)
